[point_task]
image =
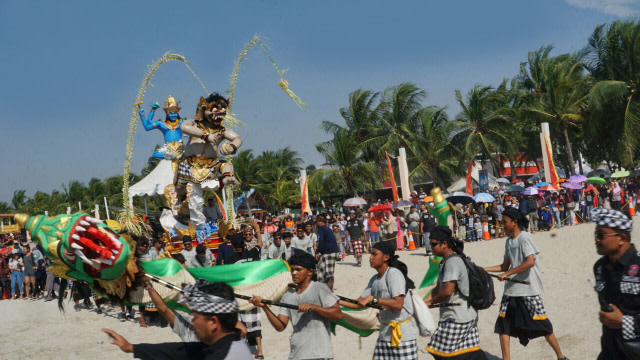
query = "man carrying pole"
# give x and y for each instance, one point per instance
(311, 337)
(522, 313)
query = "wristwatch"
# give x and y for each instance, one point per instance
(374, 301)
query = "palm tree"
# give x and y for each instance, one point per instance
(532, 72)
(361, 119)
(430, 152)
(283, 193)
(614, 62)
(398, 116)
(19, 198)
(564, 99)
(345, 156)
(484, 125)
(74, 192)
(5, 208)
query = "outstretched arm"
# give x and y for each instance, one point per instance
(148, 122)
(332, 313)
(163, 309)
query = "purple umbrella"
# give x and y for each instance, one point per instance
(530, 191)
(572, 185)
(577, 179)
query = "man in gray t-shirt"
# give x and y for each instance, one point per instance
(317, 306)
(457, 331)
(522, 313)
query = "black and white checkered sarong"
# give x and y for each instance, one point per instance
(251, 319)
(451, 339)
(406, 350)
(358, 249)
(533, 303)
(326, 266)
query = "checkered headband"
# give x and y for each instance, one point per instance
(203, 302)
(612, 218)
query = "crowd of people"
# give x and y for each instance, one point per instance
(313, 244)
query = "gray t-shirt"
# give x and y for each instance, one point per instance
(183, 328)
(455, 270)
(304, 244)
(276, 252)
(29, 263)
(188, 254)
(392, 284)
(414, 218)
(311, 337)
(516, 251)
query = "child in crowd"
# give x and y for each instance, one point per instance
(338, 234)
(477, 225)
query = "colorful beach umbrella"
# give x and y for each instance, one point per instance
(356, 201)
(530, 191)
(503, 181)
(599, 172)
(596, 180)
(571, 185)
(620, 174)
(382, 207)
(547, 188)
(577, 178)
(515, 188)
(459, 197)
(484, 197)
(541, 184)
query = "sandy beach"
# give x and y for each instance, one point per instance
(37, 330)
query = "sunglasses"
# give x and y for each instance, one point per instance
(600, 235)
(434, 244)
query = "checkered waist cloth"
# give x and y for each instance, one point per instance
(251, 319)
(452, 339)
(406, 350)
(533, 303)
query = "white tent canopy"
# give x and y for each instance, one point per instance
(158, 179)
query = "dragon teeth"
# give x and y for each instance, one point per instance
(76, 246)
(84, 223)
(105, 261)
(80, 228)
(75, 237)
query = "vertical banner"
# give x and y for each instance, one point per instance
(552, 168)
(483, 180)
(469, 189)
(394, 188)
(305, 197)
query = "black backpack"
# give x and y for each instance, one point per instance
(481, 293)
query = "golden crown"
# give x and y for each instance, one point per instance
(171, 105)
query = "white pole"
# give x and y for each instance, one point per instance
(68, 210)
(96, 212)
(146, 213)
(106, 206)
(46, 213)
(224, 200)
(404, 174)
(79, 205)
(545, 156)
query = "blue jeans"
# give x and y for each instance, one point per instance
(556, 215)
(374, 237)
(16, 277)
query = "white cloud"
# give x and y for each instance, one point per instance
(620, 8)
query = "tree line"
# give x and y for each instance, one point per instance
(590, 98)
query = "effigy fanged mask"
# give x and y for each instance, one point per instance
(213, 109)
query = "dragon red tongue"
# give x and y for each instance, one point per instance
(89, 244)
(103, 238)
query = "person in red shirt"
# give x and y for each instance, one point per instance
(374, 228)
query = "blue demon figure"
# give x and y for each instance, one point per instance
(170, 128)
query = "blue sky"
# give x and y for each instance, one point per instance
(69, 70)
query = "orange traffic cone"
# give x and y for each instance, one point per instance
(485, 231)
(412, 245)
(632, 211)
